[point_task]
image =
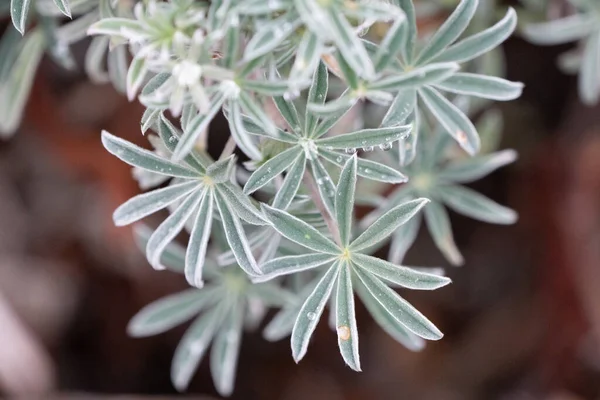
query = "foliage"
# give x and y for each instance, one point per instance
(279, 229)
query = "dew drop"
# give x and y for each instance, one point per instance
(367, 170)
(172, 139)
(311, 316)
(343, 332)
(461, 136)
(306, 236)
(339, 159)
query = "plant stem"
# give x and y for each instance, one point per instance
(316, 198)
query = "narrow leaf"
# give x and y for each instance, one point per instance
(19, 9)
(324, 184)
(299, 231)
(344, 200)
(367, 168)
(472, 169)
(271, 169)
(365, 138)
(487, 87)
(292, 264)
(316, 95)
(345, 319)
(438, 224)
(475, 205)
(291, 183)
(225, 350)
(196, 248)
(415, 78)
(589, 78)
(562, 30)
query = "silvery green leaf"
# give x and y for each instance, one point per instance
(438, 224)
(237, 127)
(170, 227)
(387, 321)
(366, 168)
(268, 88)
(454, 121)
(292, 264)
(9, 51)
(231, 47)
(115, 27)
(155, 83)
(386, 224)
(135, 76)
(482, 42)
(299, 231)
(487, 87)
(240, 203)
(256, 112)
(415, 78)
(335, 108)
(142, 158)
(260, 7)
(149, 119)
(19, 10)
(450, 30)
(409, 30)
(236, 238)
(172, 258)
(345, 318)
(197, 126)
(562, 30)
(324, 184)
(271, 169)
(314, 17)
(188, 113)
(291, 183)
(192, 347)
(316, 95)
(271, 35)
(196, 248)
(344, 200)
(15, 90)
(225, 350)
(348, 74)
(399, 308)
(117, 68)
(288, 112)
(145, 204)
(475, 205)
(589, 78)
(168, 312)
(403, 105)
(308, 56)
(375, 10)
(365, 138)
(222, 170)
(403, 239)
(403, 276)
(348, 43)
(170, 136)
(311, 311)
(390, 45)
(253, 128)
(63, 6)
(472, 169)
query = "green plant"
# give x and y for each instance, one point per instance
(279, 229)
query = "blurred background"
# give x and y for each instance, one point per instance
(522, 319)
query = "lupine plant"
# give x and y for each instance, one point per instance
(270, 220)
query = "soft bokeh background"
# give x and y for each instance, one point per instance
(522, 319)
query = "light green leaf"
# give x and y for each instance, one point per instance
(222, 170)
(299, 231)
(475, 205)
(344, 200)
(241, 203)
(409, 30)
(385, 225)
(403, 105)
(487, 87)
(390, 45)
(236, 238)
(311, 311)
(170, 135)
(170, 227)
(255, 112)
(172, 258)
(450, 30)
(237, 127)
(288, 112)
(271, 169)
(562, 30)
(388, 323)
(316, 95)
(291, 183)
(438, 224)
(454, 121)
(345, 319)
(324, 184)
(269, 88)
(589, 78)
(142, 158)
(145, 204)
(192, 347)
(403, 239)
(308, 55)
(365, 138)
(482, 42)
(403, 276)
(292, 264)
(196, 248)
(333, 109)
(135, 76)
(366, 168)
(115, 27)
(472, 169)
(168, 312)
(19, 9)
(399, 308)
(415, 78)
(271, 35)
(225, 351)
